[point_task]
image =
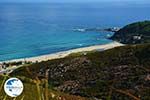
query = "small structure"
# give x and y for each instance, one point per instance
(115, 29)
(137, 37)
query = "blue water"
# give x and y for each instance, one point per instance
(28, 30)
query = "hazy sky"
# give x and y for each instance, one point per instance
(140, 1)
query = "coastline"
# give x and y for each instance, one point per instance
(66, 53)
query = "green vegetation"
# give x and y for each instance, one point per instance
(135, 33)
(121, 73)
(31, 92)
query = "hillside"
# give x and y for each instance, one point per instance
(134, 33)
(122, 73)
(37, 90)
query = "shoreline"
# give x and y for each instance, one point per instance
(66, 53)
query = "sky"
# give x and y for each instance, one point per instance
(140, 1)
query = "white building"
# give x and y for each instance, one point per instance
(137, 37)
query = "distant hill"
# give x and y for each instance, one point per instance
(135, 33)
(121, 73)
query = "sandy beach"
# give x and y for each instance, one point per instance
(66, 53)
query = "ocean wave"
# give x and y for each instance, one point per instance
(79, 44)
(79, 30)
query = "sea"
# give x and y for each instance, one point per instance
(34, 29)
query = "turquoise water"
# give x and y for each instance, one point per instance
(28, 30)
